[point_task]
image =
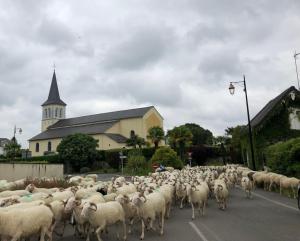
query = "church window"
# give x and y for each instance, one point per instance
(60, 113)
(49, 112)
(56, 112)
(37, 147)
(132, 133)
(49, 145)
(46, 113)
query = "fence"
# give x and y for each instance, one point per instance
(15, 171)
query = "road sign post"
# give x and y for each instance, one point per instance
(122, 157)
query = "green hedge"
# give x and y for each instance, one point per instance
(284, 157)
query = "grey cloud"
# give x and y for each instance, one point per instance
(147, 45)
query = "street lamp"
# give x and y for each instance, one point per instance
(231, 90)
(295, 57)
(14, 138)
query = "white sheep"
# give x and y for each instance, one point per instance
(33, 189)
(129, 208)
(289, 183)
(197, 195)
(102, 215)
(149, 207)
(221, 194)
(12, 193)
(17, 223)
(247, 186)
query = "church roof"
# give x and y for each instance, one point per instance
(97, 128)
(109, 116)
(91, 124)
(257, 120)
(54, 98)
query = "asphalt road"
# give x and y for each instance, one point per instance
(267, 217)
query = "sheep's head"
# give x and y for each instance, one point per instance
(87, 207)
(30, 187)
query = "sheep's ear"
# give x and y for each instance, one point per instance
(93, 207)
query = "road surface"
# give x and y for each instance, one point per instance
(267, 217)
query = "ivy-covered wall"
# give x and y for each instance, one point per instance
(274, 128)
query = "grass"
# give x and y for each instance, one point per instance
(44, 183)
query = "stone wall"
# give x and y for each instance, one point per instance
(12, 172)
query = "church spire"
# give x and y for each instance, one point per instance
(54, 98)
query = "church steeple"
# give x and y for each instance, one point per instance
(53, 97)
(54, 109)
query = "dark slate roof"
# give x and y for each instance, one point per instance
(52, 133)
(109, 116)
(268, 107)
(117, 137)
(91, 124)
(54, 98)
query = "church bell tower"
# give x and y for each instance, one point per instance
(54, 109)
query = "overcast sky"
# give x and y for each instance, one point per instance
(176, 55)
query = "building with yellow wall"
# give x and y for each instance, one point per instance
(112, 129)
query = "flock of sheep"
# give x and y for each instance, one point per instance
(91, 206)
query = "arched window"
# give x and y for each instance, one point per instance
(56, 112)
(49, 145)
(46, 116)
(37, 147)
(132, 133)
(60, 113)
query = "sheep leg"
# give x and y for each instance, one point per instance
(88, 234)
(203, 208)
(130, 225)
(162, 223)
(42, 235)
(98, 231)
(181, 203)
(143, 230)
(124, 230)
(193, 211)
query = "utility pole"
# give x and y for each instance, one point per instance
(295, 57)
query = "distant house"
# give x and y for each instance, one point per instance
(111, 129)
(3, 142)
(279, 120)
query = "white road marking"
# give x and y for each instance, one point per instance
(275, 202)
(211, 232)
(197, 230)
(272, 201)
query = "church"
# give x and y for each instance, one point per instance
(111, 129)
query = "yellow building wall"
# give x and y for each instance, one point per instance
(135, 124)
(43, 146)
(123, 127)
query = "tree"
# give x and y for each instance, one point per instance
(179, 138)
(200, 135)
(166, 156)
(236, 134)
(135, 141)
(12, 149)
(136, 163)
(156, 134)
(78, 150)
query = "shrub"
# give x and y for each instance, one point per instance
(137, 164)
(167, 157)
(284, 157)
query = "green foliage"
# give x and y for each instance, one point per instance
(137, 164)
(156, 134)
(235, 149)
(135, 141)
(201, 153)
(78, 150)
(12, 149)
(167, 157)
(284, 157)
(179, 139)
(200, 135)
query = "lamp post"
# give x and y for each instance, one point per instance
(231, 90)
(295, 57)
(14, 138)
